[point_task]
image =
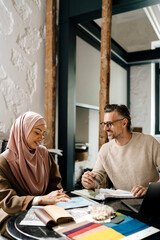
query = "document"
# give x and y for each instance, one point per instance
(31, 219)
(49, 215)
(103, 193)
(76, 202)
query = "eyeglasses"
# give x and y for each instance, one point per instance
(109, 124)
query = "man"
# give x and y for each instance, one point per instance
(130, 160)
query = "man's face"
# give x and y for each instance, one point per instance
(115, 130)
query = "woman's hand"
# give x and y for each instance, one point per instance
(53, 198)
(139, 191)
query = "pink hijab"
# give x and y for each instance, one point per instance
(30, 168)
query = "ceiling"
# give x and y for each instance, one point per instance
(136, 30)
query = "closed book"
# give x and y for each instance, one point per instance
(52, 214)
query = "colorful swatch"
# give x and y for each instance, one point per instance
(108, 231)
(93, 231)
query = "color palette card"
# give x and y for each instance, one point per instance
(93, 231)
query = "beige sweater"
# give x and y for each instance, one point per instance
(135, 163)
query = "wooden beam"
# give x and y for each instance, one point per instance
(105, 64)
(50, 73)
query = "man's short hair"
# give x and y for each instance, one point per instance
(122, 110)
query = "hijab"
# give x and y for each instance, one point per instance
(30, 167)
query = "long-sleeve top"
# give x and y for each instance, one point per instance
(12, 198)
(136, 163)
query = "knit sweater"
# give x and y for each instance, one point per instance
(136, 163)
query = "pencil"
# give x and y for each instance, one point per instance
(97, 180)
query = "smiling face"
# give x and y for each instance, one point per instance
(36, 136)
(115, 131)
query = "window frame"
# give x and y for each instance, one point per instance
(157, 98)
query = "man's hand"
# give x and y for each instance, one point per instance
(53, 198)
(139, 191)
(88, 180)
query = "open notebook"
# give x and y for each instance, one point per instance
(103, 193)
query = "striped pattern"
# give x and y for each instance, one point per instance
(92, 231)
(130, 228)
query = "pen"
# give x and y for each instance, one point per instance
(97, 180)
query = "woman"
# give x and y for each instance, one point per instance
(28, 174)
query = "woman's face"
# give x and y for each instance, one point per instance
(36, 136)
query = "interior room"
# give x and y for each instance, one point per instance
(134, 79)
(51, 63)
(134, 31)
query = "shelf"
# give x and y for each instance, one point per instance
(83, 105)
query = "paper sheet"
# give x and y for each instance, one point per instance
(76, 202)
(31, 219)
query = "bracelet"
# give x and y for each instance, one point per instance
(35, 201)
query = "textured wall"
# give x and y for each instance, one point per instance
(141, 97)
(22, 48)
